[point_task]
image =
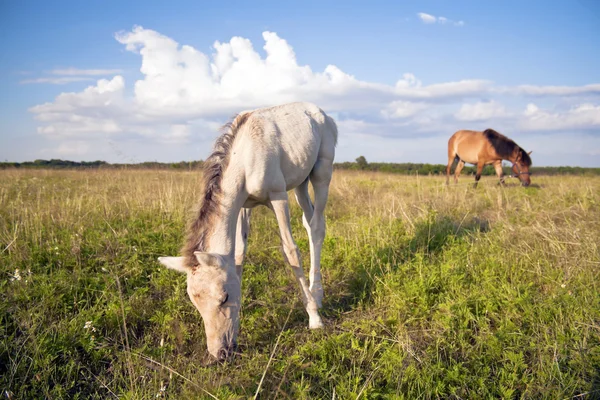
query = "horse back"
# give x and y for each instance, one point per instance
(469, 146)
(282, 144)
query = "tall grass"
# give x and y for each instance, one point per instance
(430, 291)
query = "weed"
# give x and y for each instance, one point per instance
(431, 291)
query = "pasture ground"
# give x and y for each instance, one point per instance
(430, 291)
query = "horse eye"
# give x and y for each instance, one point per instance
(226, 298)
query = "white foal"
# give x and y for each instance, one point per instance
(260, 156)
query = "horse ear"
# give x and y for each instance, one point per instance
(175, 263)
(530, 153)
(209, 259)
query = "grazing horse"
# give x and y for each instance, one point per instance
(259, 157)
(487, 147)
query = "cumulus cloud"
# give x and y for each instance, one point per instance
(182, 80)
(185, 94)
(582, 116)
(432, 19)
(481, 111)
(94, 110)
(181, 84)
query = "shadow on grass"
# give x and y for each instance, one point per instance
(594, 393)
(519, 185)
(430, 239)
(535, 186)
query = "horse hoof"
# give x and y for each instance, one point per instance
(318, 324)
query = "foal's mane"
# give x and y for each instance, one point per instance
(213, 169)
(505, 146)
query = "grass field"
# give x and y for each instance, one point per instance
(430, 292)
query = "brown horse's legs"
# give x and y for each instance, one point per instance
(451, 158)
(480, 166)
(458, 169)
(499, 172)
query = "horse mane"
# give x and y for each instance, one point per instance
(525, 157)
(504, 146)
(213, 169)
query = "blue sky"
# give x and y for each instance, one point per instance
(400, 77)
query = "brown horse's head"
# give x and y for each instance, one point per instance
(521, 167)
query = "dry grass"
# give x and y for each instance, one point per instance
(430, 291)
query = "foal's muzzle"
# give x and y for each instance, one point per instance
(223, 355)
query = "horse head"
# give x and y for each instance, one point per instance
(214, 288)
(521, 167)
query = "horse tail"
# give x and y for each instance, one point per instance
(451, 149)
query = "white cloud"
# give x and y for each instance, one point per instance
(404, 109)
(481, 111)
(86, 72)
(182, 80)
(432, 19)
(410, 87)
(185, 94)
(69, 149)
(178, 133)
(97, 109)
(582, 116)
(70, 75)
(427, 18)
(181, 84)
(56, 81)
(533, 90)
(95, 98)
(412, 149)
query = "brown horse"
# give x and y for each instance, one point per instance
(487, 147)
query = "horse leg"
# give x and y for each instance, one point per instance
(317, 227)
(241, 239)
(314, 221)
(279, 205)
(303, 199)
(499, 172)
(458, 170)
(451, 158)
(480, 166)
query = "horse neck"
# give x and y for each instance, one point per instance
(233, 196)
(513, 157)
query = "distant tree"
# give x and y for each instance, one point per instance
(362, 162)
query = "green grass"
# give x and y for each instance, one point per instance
(430, 291)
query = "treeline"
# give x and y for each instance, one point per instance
(440, 169)
(360, 164)
(66, 164)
